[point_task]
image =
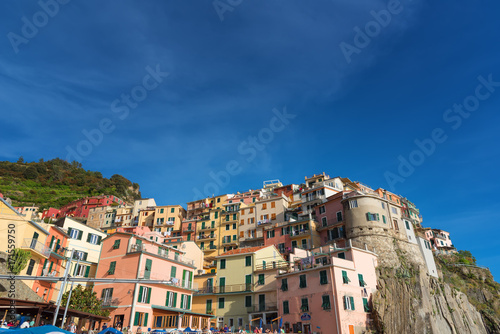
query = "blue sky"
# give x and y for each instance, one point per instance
(229, 68)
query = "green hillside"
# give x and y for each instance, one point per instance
(57, 182)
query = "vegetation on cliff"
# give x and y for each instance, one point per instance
(57, 182)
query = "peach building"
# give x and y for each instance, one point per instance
(330, 217)
(329, 291)
(155, 305)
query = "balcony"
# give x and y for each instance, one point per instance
(225, 289)
(207, 237)
(230, 242)
(53, 273)
(208, 228)
(263, 222)
(205, 218)
(208, 248)
(301, 233)
(37, 247)
(109, 302)
(169, 255)
(271, 266)
(269, 307)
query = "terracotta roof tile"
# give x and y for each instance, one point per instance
(243, 250)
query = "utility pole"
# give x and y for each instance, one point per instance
(69, 296)
(63, 286)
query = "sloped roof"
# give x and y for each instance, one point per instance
(243, 250)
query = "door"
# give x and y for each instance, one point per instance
(351, 329)
(34, 240)
(262, 303)
(210, 285)
(307, 329)
(222, 285)
(118, 320)
(248, 282)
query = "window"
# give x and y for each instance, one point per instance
(30, 267)
(251, 209)
(361, 280)
(284, 284)
(172, 210)
(141, 319)
(407, 225)
(112, 267)
(248, 261)
(264, 206)
(286, 307)
(107, 294)
(147, 269)
(383, 219)
(116, 245)
(171, 300)
(396, 225)
(93, 239)
(270, 234)
(394, 210)
(324, 222)
(240, 322)
(345, 278)
(303, 281)
(242, 211)
(221, 302)
(372, 216)
(261, 280)
(161, 210)
(80, 255)
(383, 205)
(173, 271)
(322, 209)
(234, 226)
(366, 307)
(185, 302)
(323, 279)
(353, 203)
(273, 216)
(273, 205)
(144, 295)
(326, 302)
(341, 255)
(349, 303)
(75, 234)
(242, 222)
(227, 226)
(304, 306)
(216, 215)
(248, 301)
(223, 264)
(339, 216)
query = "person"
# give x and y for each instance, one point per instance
(240, 330)
(226, 329)
(104, 326)
(42, 322)
(25, 324)
(139, 330)
(72, 327)
(32, 322)
(83, 330)
(282, 330)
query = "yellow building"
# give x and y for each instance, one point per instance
(20, 232)
(168, 218)
(244, 286)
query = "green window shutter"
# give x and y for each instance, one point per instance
(146, 319)
(361, 280)
(74, 271)
(45, 264)
(174, 303)
(168, 297)
(148, 299)
(383, 219)
(248, 261)
(51, 265)
(140, 294)
(51, 242)
(323, 277)
(112, 267)
(248, 301)
(138, 242)
(345, 278)
(182, 301)
(110, 292)
(221, 302)
(378, 217)
(234, 216)
(365, 305)
(69, 231)
(116, 245)
(87, 271)
(89, 235)
(80, 235)
(284, 284)
(136, 318)
(173, 271)
(99, 238)
(183, 277)
(85, 256)
(352, 303)
(208, 307)
(188, 302)
(303, 281)
(147, 270)
(286, 309)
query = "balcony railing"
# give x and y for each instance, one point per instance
(205, 237)
(53, 273)
(271, 265)
(208, 228)
(299, 233)
(228, 242)
(269, 307)
(37, 246)
(109, 302)
(263, 222)
(208, 248)
(225, 288)
(166, 254)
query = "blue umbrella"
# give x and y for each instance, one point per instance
(110, 330)
(158, 331)
(40, 330)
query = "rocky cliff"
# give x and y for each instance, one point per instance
(408, 300)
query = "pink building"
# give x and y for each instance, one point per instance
(330, 217)
(328, 292)
(155, 305)
(440, 240)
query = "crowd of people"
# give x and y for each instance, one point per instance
(21, 323)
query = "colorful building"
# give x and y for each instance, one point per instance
(328, 291)
(80, 208)
(155, 305)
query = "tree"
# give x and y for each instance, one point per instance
(85, 300)
(20, 160)
(31, 173)
(18, 260)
